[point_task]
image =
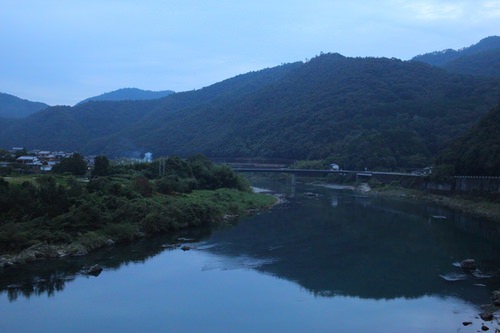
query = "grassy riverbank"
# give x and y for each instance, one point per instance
(72, 216)
(480, 206)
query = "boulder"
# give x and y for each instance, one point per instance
(495, 297)
(468, 264)
(94, 270)
(486, 316)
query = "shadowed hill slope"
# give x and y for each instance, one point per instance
(361, 112)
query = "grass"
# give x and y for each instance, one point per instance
(476, 205)
(231, 200)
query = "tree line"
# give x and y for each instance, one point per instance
(119, 202)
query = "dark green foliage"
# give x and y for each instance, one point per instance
(313, 110)
(143, 187)
(477, 153)
(129, 94)
(101, 166)
(474, 59)
(74, 165)
(121, 206)
(172, 183)
(485, 63)
(15, 107)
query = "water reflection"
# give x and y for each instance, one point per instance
(330, 243)
(47, 277)
(367, 247)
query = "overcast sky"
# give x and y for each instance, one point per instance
(63, 51)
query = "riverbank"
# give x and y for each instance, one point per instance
(472, 205)
(476, 206)
(226, 206)
(51, 216)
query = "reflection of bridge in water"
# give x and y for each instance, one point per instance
(384, 177)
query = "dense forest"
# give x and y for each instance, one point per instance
(15, 107)
(120, 202)
(482, 58)
(477, 152)
(129, 94)
(375, 113)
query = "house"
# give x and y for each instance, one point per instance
(28, 160)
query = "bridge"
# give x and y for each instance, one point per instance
(385, 177)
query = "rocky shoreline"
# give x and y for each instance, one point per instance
(476, 207)
(46, 251)
(490, 313)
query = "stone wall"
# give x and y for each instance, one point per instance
(477, 184)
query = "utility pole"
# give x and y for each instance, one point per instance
(162, 167)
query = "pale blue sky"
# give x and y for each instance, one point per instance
(63, 51)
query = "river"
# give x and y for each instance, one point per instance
(324, 261)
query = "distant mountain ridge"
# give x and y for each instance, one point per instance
(482, 58)
(14, 107)
(359, 112)
(129, 94)
(477, 152)
(374, 113)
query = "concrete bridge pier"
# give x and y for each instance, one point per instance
(293, 183)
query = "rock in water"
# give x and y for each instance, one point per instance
(94, 270)
(486, 316)
(468, 264)
(495, 297)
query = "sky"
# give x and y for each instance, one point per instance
(62, 51)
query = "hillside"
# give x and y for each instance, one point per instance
(486, 63)
(360, 112)
(482, 58)
(129, 94)
(15, 107)
(93, 127)
(477, 153)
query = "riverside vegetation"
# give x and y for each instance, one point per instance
(71, 216)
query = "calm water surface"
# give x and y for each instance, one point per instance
(333, 261)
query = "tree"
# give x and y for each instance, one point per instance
(75, 165)
(101, 166)
(143, 186)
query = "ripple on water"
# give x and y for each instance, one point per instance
(453, 276)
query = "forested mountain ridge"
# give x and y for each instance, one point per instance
(360, 112)
(477, 152)
(482, 58)
(368, 112)
(129, 94)
(14, 107)
(92, 127)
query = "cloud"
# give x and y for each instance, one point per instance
(491, 9)
(447, 10)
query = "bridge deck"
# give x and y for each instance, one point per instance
(325, 172)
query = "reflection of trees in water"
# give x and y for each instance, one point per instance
(361, 246)
(46, 277)
(38, 286)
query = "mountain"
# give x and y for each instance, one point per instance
(476, 153)
(129, 94)
(15, 107)
(358, 112)
(109, 127)
(482, 58)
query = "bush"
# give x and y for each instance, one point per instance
(122, 232)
